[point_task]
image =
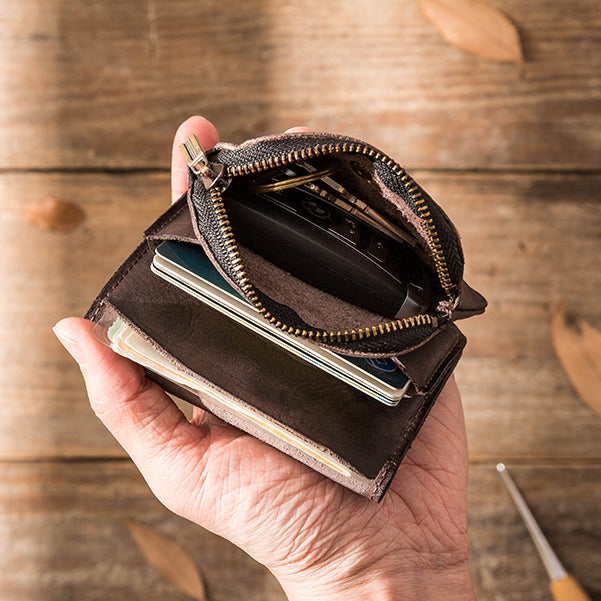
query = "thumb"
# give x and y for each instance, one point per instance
(143, 419)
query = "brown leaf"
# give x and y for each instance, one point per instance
(54, 215)
(578, 347)
(168, 559)
(475, 27)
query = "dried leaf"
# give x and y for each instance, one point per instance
(168, 559)
(578, 347)
(475, 27)
(54, 215)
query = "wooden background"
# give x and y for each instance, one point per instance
(90, 95)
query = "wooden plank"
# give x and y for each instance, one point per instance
(72, 543)
(67, 519)
(565, 501)
(105, 85)
(47, 276)
(530, 241)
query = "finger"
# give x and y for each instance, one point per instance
(203, 418)
(300, 129)
(207, 135)
(199, 416)
(137, 411)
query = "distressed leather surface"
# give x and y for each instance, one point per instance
(365, 435)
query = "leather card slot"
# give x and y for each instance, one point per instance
(241, 414)
(317, 406)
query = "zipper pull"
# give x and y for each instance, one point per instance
(198, 162)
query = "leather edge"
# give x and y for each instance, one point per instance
(438, 381)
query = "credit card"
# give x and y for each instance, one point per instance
(187, 266)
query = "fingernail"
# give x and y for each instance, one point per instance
(61, 331)
(299, 129)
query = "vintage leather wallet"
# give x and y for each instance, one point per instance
(355, 204)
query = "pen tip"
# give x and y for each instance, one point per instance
(500, 467)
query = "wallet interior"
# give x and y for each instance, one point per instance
(315, 306)
(294, 304)
(323, 310)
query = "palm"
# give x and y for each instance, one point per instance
(305, 519)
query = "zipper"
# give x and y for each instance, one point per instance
(199, 163)
(216, 179)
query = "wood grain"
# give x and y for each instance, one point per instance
(62, 536)
(50, 275)
(565, 501)
(68, 521)
(530, 240)
(105, 84)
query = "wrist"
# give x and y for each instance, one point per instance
(452, 583)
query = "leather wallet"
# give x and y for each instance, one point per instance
(253, 384)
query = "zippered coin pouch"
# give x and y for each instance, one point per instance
(305, 289)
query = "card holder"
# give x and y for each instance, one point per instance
(252, 384)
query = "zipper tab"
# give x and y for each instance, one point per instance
(198, 162)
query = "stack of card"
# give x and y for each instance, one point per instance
(187, 267)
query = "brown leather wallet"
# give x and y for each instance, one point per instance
(253, 384)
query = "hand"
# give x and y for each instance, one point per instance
(319, 539)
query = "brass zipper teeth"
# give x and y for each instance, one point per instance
(300, 155)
